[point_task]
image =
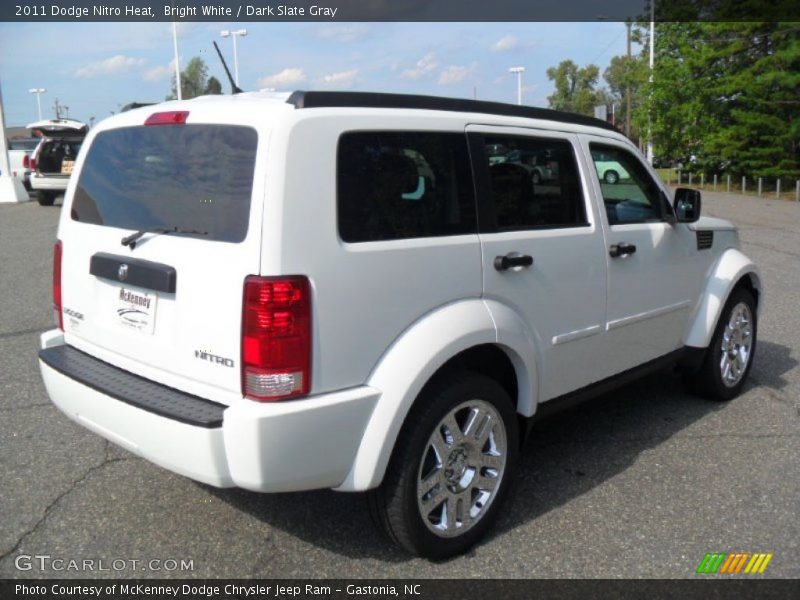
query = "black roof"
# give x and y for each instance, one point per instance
(302, 99)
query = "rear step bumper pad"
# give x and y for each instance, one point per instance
(132, 389)
(269, 447)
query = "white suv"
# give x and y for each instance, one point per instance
(54, 158)
(342, 290)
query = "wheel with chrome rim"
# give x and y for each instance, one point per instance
(730, 354)
(461, 468)
(737, 342)
(450, 469)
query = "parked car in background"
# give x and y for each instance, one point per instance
(20, 151)
(609, 170)
(52, 162)
(540, 163)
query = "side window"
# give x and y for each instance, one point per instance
(534, 183)
(629, 193)
(396, 185)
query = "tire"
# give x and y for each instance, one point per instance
(611, 176)
(45, 198)
(461, 484)
(723, 375)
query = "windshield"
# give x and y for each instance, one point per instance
(197, 176)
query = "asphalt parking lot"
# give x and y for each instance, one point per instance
(639, 483)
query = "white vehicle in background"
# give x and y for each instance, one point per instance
(346, 290)
(20, 151)
(54, 158)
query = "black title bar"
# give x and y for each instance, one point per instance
(398, 10)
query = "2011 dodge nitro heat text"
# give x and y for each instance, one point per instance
(375, 292)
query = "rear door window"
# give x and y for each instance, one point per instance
(187, 176)
(396, 185)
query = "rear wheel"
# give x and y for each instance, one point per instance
(45, 198)
(611, 176)
(451, 467)
(730, 354)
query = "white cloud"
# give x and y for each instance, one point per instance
(344, 34)
(424, 66)
(505, 43)
(110, 66)
(454, 74)
(160, 72)
(287, 77)
(341, 79)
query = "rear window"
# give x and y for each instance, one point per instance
(188, 176)
(393, 185)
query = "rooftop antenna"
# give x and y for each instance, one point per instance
(235, 89)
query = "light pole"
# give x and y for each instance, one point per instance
(519, 71)
(232, 34)
(177, 60)
(38, 92)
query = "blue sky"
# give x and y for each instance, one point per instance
(94, 68)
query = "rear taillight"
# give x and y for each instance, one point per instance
(33, 164)
(26, 162)
(173, 117)
(57, 252)
(276, 338)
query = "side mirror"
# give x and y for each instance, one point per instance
(687, 205)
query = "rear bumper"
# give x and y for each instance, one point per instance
(269, 447)
(49, 183)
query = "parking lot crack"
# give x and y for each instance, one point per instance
(57, 500)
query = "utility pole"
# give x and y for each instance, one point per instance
(628, 85)
(57, 108)
(650, 102)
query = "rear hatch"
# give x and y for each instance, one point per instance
(167, 304)
(62, 138)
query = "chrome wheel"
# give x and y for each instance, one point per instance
(737, 343)
(462, 467)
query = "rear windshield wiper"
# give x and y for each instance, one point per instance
(130, 240)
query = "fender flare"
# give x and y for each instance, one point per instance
(725, 275)
(403, 371)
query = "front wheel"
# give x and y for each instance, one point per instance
(730, 354)
(611, 176)
(451, 467)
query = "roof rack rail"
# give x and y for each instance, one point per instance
(303, 99)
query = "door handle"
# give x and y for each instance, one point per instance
(621, 249)
(511, 260)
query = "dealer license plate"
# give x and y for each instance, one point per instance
(136, 309)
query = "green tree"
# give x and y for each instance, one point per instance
(575, 87)
(626, 76)
(729, 93)
(194, 80)
(213, 86)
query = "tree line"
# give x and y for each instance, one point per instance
(727, 93)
